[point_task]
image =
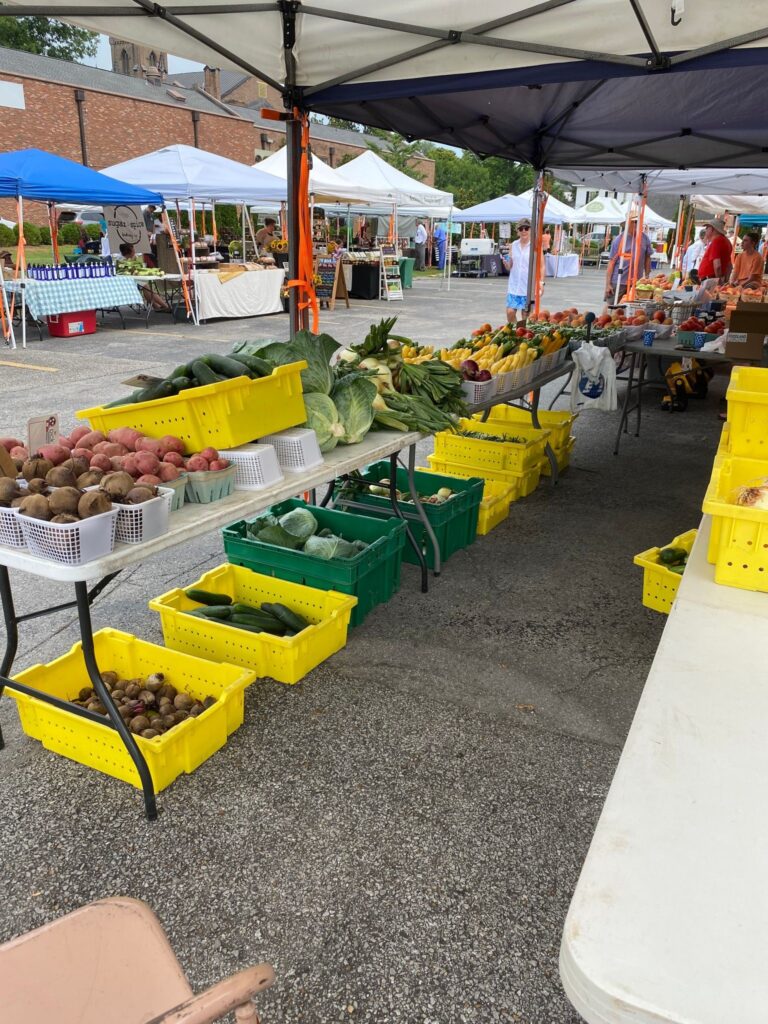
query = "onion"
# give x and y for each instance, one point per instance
(753, 497)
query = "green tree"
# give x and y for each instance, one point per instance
(397, 152)
(47, 37)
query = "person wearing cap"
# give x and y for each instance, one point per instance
(517, 264)
(620, 258)
(748, 265)
(717, 259)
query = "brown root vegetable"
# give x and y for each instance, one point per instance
(37, 487)
(182, 702)
(139, 723)
(36, 468)
(150, 734)
(138, 495)
(132, 690)
(93, 503)
(147, 698)
(9, 489)
(110, 678)
(77, 465)
(117, 485)
(154, 682)
(117, 694)
(90, 479)
(116, 462)
(64, 500)
(168, 720)
(16, 503)
(181, 716)
(124, 712)
(196, 710)
(36, 507)
(65, 519)
(167, 690)
(60, 476)
(86, 693)
(209, 702)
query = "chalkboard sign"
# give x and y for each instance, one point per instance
(331, 285)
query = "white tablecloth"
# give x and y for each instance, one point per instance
(561, 266)
(252, 293)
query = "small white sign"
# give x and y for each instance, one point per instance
(12, 95)
(125, 226)
(737, 338)
(505, 230)
(42, 430)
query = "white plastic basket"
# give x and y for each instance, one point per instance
(296, 449)
(10, 528)
(257, 466)
(479, 390)
(137, 523)
(71, 543)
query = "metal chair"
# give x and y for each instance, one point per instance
(74, 971)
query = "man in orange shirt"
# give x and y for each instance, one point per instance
(749, 265)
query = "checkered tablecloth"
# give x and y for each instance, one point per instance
(46, 298)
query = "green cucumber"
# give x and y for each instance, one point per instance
(229, 368)
(221, 614)
(670, 556)
(204, 373)
(288, 618)
(181, 383)
(155, 391)
(123, 401)
(265, 622)
(207, 597)
(180, 371)
(259, 366)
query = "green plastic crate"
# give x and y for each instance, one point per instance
(372, 577)
(454, 522)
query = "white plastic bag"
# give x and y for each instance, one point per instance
(594, 379)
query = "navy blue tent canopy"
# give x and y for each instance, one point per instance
(35, 174)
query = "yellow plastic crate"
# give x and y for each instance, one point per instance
(738, 542)
(497, 455)
(494, 507)
(748, 412)
(223, 415)
(522, 484)
(660, 583)
(563, 456)
(98, 746)
(558, 423)
(287, 659)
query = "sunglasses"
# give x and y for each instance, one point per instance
(523, 229)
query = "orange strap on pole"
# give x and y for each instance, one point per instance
(214, 229)
(304, 283)
(539, 278)
(53, 223)
(21, 256)
(177, 251)
(638, 247)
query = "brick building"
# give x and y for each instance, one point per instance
(102, 117)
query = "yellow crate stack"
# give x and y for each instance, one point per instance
(559, 424)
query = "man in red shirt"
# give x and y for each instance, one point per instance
(717, 258)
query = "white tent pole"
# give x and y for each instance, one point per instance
(23, 269)
(193, 257)
(11, 337)
(676, 239)
(242, 226)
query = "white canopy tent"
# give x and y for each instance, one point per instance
(602, 210)
(504, 209)
(183, 172)
(369, 171)
(651, 219)
(731, 204)
(325, 182)
(554, 208)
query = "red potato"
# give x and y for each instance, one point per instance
(217, 465)
(102, 462)
(149, 444)
(168, 472)
(66, 443)
(55, 453)
(197, 464)
(109, 448)
(210, 454)
(91, 439)
(174, 459)
(169, 443)
(148, 480)
(82, 453)
(20, 452)
(147, 463)
(115, 461)
(10, 442)
(78, 433)
(129, 465)
(126, 436)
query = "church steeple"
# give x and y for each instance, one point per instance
(138, 61)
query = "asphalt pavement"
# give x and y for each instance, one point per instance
(400, 833)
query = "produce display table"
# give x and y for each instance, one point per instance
(248, 293)
(561, 266)
(48, 298)
(189, 522)
(669, 921)
(636, 378)
(366, 281)
(485, 265)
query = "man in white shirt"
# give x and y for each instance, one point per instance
(517, 264)
(694, 252)
(420, 242)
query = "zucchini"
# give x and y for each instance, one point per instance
(221, 614)
(229, 368)
(264, 622)
(207, 597)
(181, 383)
(155, 391)
(204, 373)
(288, 618)
(259, 366)
(123, 401)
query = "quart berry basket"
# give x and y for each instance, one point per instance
(257, 466)
(205, 486)
(71, 543)
(296, 449)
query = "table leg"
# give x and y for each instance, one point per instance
(398, 512)
(640, 382)
(562, 390)
(625, 404)
(420, 510)
(555, 469)
(11, 630)
(89, 655)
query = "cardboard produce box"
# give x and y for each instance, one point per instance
(747, 331)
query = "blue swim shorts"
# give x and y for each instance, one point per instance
(516, 301)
